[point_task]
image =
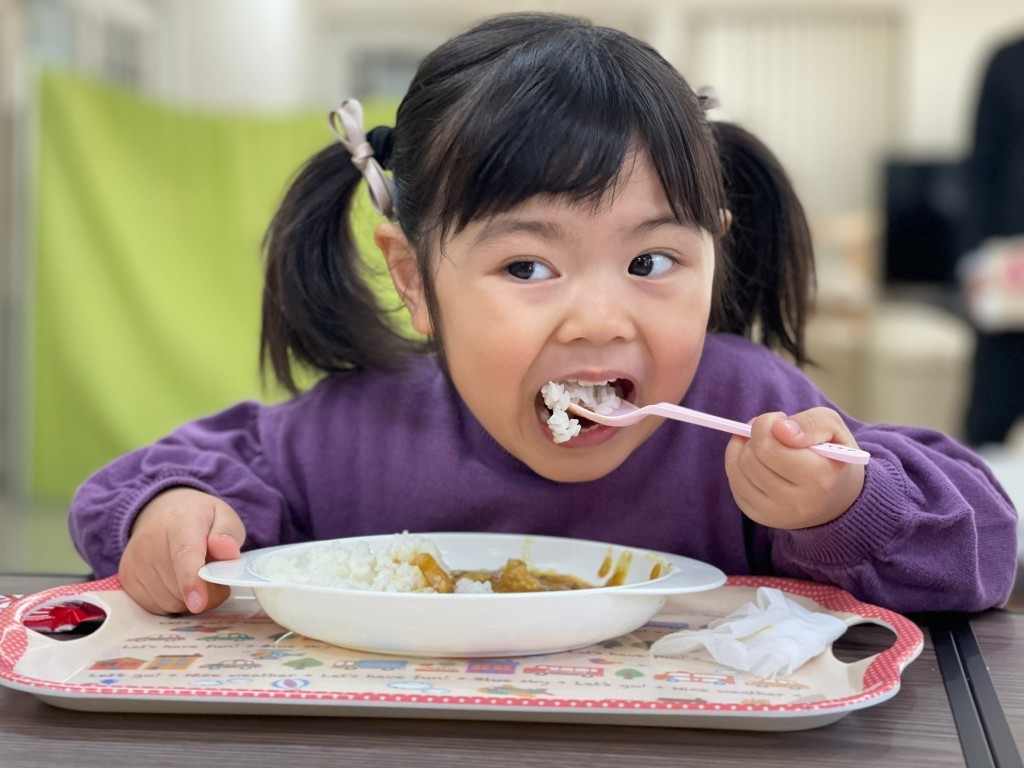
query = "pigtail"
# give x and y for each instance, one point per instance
(766, 278)
(318, 310)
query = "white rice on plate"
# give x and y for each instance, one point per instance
(357, 565)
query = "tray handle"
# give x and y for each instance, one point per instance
(63, 657)
(889, 662)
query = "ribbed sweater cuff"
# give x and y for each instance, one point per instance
(124, 517)
(868, 527)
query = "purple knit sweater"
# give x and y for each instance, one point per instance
(367, 453)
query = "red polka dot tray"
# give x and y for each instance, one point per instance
(236, 660)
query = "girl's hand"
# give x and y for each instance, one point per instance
(776, 482)
(175, 534)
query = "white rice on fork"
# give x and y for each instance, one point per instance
(597, 396)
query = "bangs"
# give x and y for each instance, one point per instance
(560, 115)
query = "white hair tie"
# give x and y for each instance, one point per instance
(347, 123)
(708, 97)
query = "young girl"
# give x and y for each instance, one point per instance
(561, 210)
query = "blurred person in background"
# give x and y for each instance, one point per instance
(995, 209)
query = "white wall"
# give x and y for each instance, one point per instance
(268, 54)
(948, 45)
(236, 54)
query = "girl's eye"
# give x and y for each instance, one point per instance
(651, 265)
(529, 270)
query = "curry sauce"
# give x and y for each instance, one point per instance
(518, 576)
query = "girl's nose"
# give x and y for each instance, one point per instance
(598, 316)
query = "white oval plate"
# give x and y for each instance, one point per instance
(477, 625)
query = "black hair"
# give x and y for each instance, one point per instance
(766, 269)
(521, 105)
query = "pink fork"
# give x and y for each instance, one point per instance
(627, 414)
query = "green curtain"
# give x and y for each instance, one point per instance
(146, 275)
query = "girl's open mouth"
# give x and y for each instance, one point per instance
(597, 396)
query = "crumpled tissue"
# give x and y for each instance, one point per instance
(774, 636)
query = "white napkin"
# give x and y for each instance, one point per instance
(775, 636)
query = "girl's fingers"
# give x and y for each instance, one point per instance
(149, 591)
(172, 538)
(780, 443)
(163, 588)
(216, 594)
(223, 542)
(750, 494)
(778, 482)
(763, 459)
(186, 543)
(227, 534)
(815, 425)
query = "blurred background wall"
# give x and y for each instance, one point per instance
(145, 143)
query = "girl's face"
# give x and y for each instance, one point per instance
(551, 292)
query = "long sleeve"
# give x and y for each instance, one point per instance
(932, 529)
(221, 455)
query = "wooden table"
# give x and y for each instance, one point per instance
(1000, 639)
(915, 728)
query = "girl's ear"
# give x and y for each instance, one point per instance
(725, 215)
(401, 261)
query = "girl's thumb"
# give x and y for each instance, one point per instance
(227, 534)
(789, 431)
